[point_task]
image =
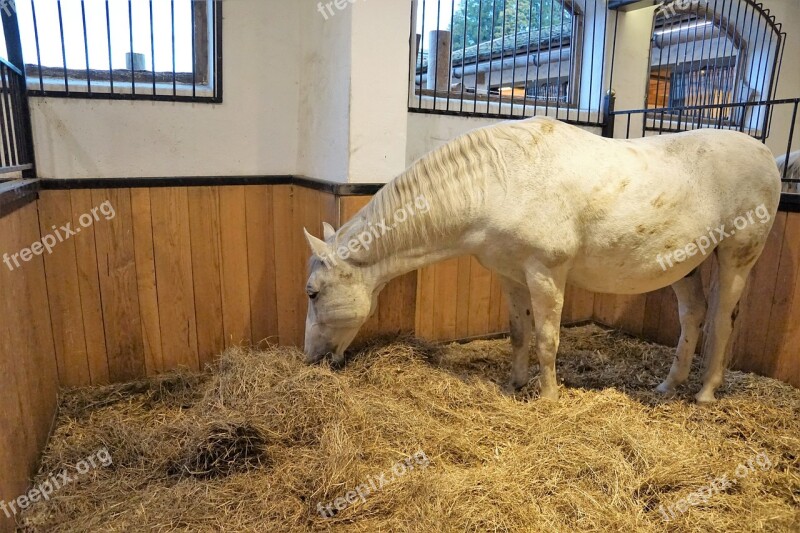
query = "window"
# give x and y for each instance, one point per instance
(507, 58)
(718, 58)
(146, 49)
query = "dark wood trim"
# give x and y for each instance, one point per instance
(789, 203)
(339, 189)
(16, 194)
(159, 182)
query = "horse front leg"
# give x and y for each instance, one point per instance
(547, 300)
(521, 322)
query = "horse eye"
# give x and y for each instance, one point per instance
(312, 294)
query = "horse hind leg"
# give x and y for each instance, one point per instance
(692, 312)
(521, 322)
(736, 257)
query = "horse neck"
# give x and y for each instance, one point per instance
(417, 219)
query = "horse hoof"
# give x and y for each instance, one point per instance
(665, 389)
(705, 398)
(550, 395)
(513, 387)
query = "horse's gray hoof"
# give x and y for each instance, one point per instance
(550, 395)
(665, 389)
(705, 398)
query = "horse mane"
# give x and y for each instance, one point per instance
(454, 179)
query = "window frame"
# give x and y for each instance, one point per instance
(746, 49)
(584, 67)
(203, 84)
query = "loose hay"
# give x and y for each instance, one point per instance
(257, 444)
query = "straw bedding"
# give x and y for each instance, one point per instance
(260, 441)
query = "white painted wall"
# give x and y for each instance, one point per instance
(305, 95)
(253, 132)
(379, 77)
(788, 13)
(324, 105)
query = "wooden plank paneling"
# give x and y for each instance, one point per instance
(498, 316)
(426, 281)
(89, 286)
(235, 276)
(205, 236)
(146, 283)
(783, 337)
(748, 343)
(445, 300)
(28, 370)
(480, 289)
(61, 267)
(462, 297)
(119, 292)
(261, 252)
(578, 305)
(286, 241)
(174, 280)
(669, 327)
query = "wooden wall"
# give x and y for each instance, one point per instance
(182, 272)
(28, 375)
(177, 275)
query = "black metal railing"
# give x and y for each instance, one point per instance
(16, 139)
(15, 143)
(123, 49)
(509, 58)
(636, 123)
(706, 54)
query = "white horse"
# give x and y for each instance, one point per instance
(543, 204)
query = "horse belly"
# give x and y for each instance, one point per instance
(614, 275)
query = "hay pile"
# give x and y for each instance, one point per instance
(259, 442)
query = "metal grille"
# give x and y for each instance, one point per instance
(123, 49)
(15, 142)
(509, 58)
(786, 107)
(706, 54)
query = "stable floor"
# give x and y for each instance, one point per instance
(415, 437)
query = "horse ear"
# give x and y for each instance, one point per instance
(318, 246)
(328, 231)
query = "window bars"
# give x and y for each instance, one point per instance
(708, 54)
(123, 49)
(509, 58)
(16, 147)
